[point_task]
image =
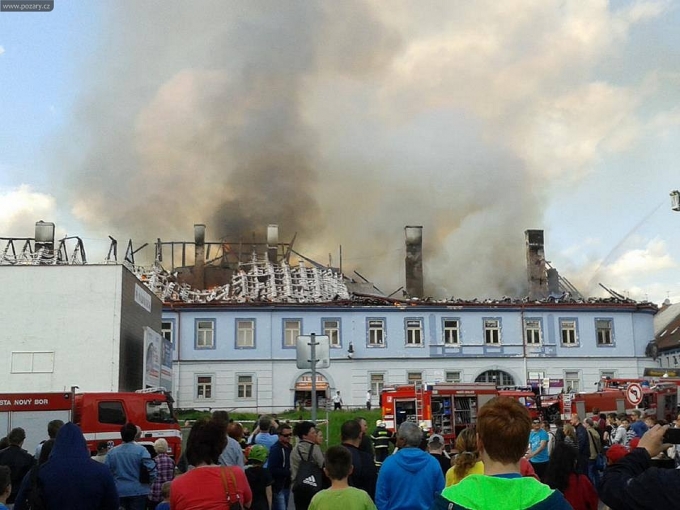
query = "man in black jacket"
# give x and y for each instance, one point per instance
(364, 474)
(631, 484)
(583, 445)
(17, 459)
(279, 467)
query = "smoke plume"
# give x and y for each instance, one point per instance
(341, 122)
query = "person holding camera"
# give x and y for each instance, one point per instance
(631, 484)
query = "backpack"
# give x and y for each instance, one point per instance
(309, 478)
(233, 497)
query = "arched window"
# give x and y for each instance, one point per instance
(498, 377)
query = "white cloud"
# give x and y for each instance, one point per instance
(653, 257)
(642, 273)
(21, 207)
(2, 50)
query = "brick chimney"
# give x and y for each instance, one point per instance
(414, 261)
(536, 273)
(199, 258)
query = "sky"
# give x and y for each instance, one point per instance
(343, 122)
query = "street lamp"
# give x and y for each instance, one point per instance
(675, 200)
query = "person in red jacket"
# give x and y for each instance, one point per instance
(562, 475)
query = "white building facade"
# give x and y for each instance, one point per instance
(243, 356)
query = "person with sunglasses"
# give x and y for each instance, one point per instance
(279, 467)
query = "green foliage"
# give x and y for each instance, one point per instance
(330, 428)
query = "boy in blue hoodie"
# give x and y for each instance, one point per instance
(503, 427)
(411, 478)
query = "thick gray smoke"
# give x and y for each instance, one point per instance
(317, 116)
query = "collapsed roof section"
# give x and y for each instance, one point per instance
(262, 273)
(258, 281)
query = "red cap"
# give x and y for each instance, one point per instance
(634, 443)
(616, 452)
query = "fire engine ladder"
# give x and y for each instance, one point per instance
(420, 403)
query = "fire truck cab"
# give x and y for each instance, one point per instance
(99, 415)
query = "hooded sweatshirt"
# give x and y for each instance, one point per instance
(71, 479)
(408, 480)
(504, 492)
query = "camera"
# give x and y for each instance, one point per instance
(672, 436)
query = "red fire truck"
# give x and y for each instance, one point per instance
(657, 399)
(445, 408)
(99, 415)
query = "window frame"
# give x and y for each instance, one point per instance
(453, 379)
(538, 331)
(446, 329)
(210, 385)
(497, 329)
(563, 329)
(608, 373)
(198, 330)
(382, 329)
(237, 335)
(609, 330)
(171, 330)
(375, 384)
(410, 380)
(411, 333)
(285, 329)
(566, 380)
(246, 385)
(337, 330)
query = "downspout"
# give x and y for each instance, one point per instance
(524, 345)
(179, 352)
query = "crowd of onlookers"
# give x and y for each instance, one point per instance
(507, 460)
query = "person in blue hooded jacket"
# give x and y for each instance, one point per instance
(411, 478)
(71, 479)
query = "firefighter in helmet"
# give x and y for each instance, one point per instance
(381, 442)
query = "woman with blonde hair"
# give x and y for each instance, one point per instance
(570, 436)
(467, 461)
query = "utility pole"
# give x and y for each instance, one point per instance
(313, 343)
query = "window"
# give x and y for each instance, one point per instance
(158, 412)
(608, 373)
(451, 329)
(245, 333)
(167, 330)
(492, 331)
(331, 328)
(376, 332)
(498, 377)
(245, 386)
(377, 383)
(204, 384)
(111, 412)
(414, 332)
(291, 330)
(603, 330)
(532, 331)
(205, 334)
(568, 332)
(572, 381)
(35, 362)
(414, 377)
(453, 376)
